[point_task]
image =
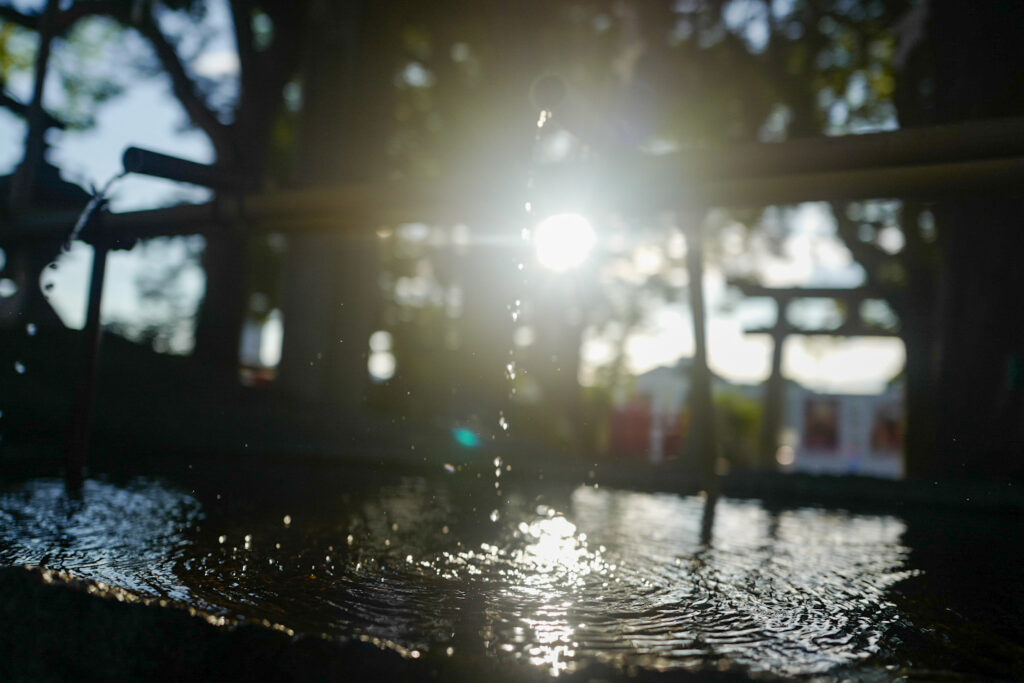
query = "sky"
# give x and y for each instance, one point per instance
(147, 115)
(812, 256)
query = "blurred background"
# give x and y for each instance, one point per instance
(499, 304)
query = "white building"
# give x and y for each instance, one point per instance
(822, 433)
(842, 433)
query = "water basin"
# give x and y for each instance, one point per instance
(549, 578)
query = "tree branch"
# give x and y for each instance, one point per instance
(183, 87)
(67, 18)
(13, 16)
(870, 257)
(78, 10)
(21, 109)
(241, 16)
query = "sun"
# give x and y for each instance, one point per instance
(563, 241)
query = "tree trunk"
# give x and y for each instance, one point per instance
(330, 289)
(920, 403)
(29, 261)
(243, 147)
(964, 398)
(24, 181)
(555, 359)
(979, 419)
(222, 311)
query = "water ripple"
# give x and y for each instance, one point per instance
(612, 576)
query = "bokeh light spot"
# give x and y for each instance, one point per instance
(564, 241)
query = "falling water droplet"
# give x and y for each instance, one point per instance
(19, 367)
(31, 329)
(287, 520)
(495, 515)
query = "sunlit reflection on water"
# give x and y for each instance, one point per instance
(588, 575)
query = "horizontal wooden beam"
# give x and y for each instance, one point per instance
(647, 190)
(845, 330)
(359, 209)
(365, 209)
(968, 141)
(958, 160)
(855, 294)
(966, 160)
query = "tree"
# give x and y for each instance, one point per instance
(241, 132)
(962, 277)
(382, 90)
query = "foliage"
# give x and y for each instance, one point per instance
(739, 428)
(167, 312)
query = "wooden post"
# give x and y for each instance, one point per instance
(707, 520)
(774, 391)
(81, 421)
(772, 412)
(702, 428)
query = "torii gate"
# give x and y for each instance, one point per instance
(853, 326)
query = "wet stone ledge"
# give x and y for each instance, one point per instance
(58, 628)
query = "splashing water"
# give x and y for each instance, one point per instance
(95, 204)
(99, 199)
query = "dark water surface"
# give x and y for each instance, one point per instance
(553, 578)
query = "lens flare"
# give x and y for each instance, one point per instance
(564, 241)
